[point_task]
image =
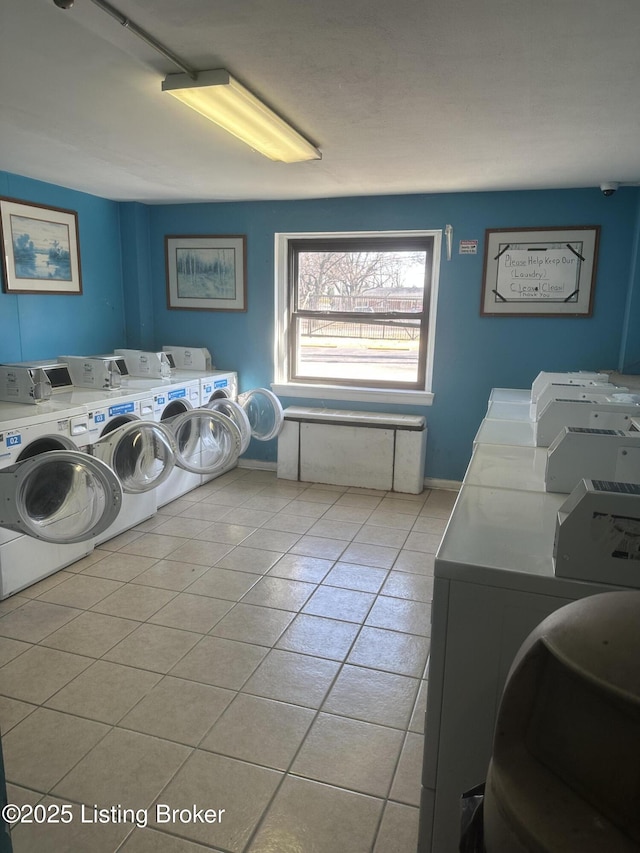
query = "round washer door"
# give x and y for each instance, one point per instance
(264, 411)
(218, 394)
(206, 441)
(141, 453)
(59, 496)
(238, 416)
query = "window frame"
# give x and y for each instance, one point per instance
(287, 384)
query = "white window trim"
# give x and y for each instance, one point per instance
(310, 390)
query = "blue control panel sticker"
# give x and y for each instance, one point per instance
(221, 383)
(14, 440)
(160, 400)
(121, 409)
(99, 418)
(177, 394)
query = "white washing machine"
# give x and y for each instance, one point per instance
(257, 413)
(206, 442)
(209, 445)
(55, 498)
(222, 430)
(124, 433)
(261, 411)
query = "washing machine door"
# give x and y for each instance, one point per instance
(264, 411)
(237, 414)
(206, 441)
(59, 496)
(142, 454)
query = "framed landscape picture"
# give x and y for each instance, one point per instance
(206, 273)
(40, 248)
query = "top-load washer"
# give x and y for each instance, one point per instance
(55, 498)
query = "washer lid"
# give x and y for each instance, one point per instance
(141, 453)
(264, 411)
(60, 496)
(237, 414)
(207, 441)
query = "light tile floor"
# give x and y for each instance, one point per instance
(258, 646)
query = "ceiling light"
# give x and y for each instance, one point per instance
(220, 98)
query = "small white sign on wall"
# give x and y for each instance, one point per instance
(468, 247)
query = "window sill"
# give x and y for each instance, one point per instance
(348, 394)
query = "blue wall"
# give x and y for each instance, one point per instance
(124, 299)
(473, 353)
(46, 325)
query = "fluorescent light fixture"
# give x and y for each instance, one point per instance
(220, 98)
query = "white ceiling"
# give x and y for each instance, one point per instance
(401, 96)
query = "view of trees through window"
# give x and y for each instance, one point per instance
(359, 315)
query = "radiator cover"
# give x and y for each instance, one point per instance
(372, 450)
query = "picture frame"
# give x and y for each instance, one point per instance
(40, 248)
(206, 273)
(539, 272)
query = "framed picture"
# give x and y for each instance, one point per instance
(207, 273)
(40, 248)
(539, 272)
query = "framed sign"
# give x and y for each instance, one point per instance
(206, 273)
(539, 272)
(39, 248)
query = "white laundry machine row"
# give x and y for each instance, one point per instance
(256, 413)
(202, 445)
(55, 498)
(174, 445)
(258, 410)
(212, 435)
(207, 443)
(122, 430)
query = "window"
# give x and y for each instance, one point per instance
(356, 310)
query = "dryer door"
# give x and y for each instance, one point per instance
(238, 416)
(207, 441)
(264, 411)
(59, 496)
(141, 453)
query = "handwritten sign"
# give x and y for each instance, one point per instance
(539, 272)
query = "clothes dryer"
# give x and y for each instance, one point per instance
(55, 498)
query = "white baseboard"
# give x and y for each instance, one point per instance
(429, 482)
(449, 485)
(256, 464)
